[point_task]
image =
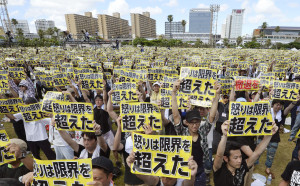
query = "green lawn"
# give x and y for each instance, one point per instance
(283, 156)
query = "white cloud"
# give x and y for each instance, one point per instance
(153, 10)
(259, 18)
(13, 14)
(293, 5)
(223, 7)
(202, 6)
(266, 7)
(172, 3)
(16, 2)
(55, 10)
(120, 6)
(297, 19)
(183, 10)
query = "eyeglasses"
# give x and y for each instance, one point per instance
(22, 86)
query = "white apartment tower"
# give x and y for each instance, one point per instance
(22, 24)
(43, 24)
(234, 24)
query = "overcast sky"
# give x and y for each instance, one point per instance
(274, 12)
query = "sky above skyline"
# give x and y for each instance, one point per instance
(274, 12)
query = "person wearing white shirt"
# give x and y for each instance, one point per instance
(36, 134)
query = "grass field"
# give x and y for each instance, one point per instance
(283, 156)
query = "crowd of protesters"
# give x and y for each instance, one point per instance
(216, 158)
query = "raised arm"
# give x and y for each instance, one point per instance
(66, 137)
(288, 109)
(261, 147)
(214, 107)
(148, 180)
(117, 141)
(100, 140)
(104, 95)
(232, 92)
(257, 96)
(221, 147)
(110, 108)
(193, 166)
(141, 89)
(175, 112)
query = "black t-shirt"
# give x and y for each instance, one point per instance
(6, 172)
(223, 176)
(223, 110)
(101, 117)
(102, 153)
(276, 136)
(170, 129)
(197, 152)
(292, 173)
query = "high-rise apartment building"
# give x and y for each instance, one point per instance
(76, 23)
(200, 20)
(173, 27)
(112, 26)
(22, 24)
(43, 24)
(234, 23)
(142, 25)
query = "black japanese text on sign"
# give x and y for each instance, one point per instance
(73, 116)
(135, 115)
(32, 112)
(49, 98)
(250, 119)
(198, 82)
(62, 172)
(124, 92)
(286, 90)
(10, 106)
(165, 156)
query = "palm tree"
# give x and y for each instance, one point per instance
(277, 29)
(41, 33)
(262, 31)
(239, 40)
(19, 33)
(50, 32)
(183, 23)
(56, 30)
(14, 22)
(170, 19)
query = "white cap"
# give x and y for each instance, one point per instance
(156, 83)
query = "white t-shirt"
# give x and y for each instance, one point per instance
(55, 137)
(35, 130)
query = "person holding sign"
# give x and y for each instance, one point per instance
(24, 90)
(229, 167)
(23, 163)
(94, 144)
(36, 133)
(165, 181)
(199, 123)
(279, 116)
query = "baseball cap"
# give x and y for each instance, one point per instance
(193, 114)
(23, 83)
(241, 99)
(22, 144)
(104, 163)
(156, 83)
